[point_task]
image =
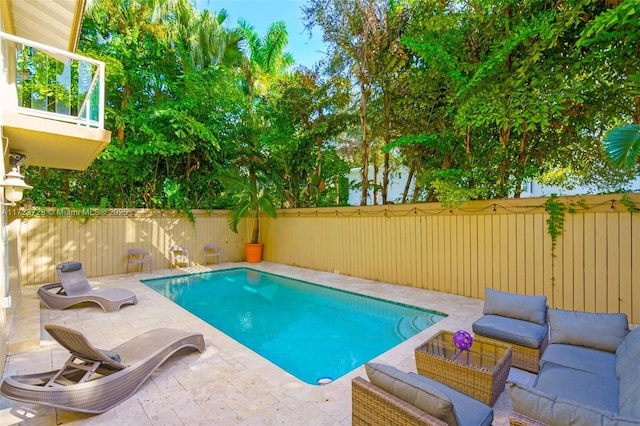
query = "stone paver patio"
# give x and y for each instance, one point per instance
(228, 384)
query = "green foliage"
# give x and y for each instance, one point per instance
(176, 198)
(180, 111)
(629, 204)
(452, 195)
(623, 145)
(555, 222)
(515, 88)
(250, 198)
(472, 98)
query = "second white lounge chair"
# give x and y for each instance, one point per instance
(74, 288)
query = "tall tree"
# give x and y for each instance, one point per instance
(348, 33)
(387, 67)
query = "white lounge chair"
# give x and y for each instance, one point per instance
(74, 288)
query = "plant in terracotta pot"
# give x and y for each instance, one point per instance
(250, 201)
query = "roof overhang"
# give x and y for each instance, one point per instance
(56, 23)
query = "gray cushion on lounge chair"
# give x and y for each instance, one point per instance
(523, 333)
(556, 411)
(594, 361)
(598, 331)
(518, 306)
(70, 266)
(579, 386)
(415, 392)
(111, 354)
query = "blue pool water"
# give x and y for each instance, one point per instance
(309, 330)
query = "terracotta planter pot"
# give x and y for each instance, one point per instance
(253, 252)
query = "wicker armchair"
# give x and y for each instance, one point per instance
(371, 405)
(519, 321)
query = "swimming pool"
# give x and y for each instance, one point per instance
(312, 331)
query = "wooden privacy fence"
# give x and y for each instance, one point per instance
(501, 244)
(99, 238)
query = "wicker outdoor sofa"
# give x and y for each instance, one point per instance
(588, 376)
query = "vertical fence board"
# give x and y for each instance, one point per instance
(579, 258)
(625, 263)
(634, 280)
(601, 264)
(589, 283)
(567, 263)
(613, 262)
(454, 250)
(503, 259)
(475, 289)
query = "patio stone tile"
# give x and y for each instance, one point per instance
(168, 418)
(159, 401)
(228, 384)
(192, 414)
(262, 413)
(129, 412)
(336, 408)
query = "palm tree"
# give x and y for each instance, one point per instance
(251, 200)
(265, 58)
(623, 146)
(264, 61)
(199, 37)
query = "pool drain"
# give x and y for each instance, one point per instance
(324, 380)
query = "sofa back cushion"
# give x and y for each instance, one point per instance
(604, 332)
(412, 390)
(518, 306)
(548, 409)
(628, 371)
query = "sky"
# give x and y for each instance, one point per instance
(261, 14)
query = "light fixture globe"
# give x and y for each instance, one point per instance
(14, 186)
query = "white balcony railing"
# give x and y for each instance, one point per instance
(54, 84)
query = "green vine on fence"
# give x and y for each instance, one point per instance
(555, 222)
(628, 204)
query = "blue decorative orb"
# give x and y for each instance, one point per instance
(462, 340)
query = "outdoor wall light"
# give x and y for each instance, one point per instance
(13, 182)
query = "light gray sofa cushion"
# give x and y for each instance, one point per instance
(628, 369)
(560, 412)
(595, 361)
(581, 387)
(523, 333)
(518, 306)
(598, 331)
(628, 353)
(470, 411)
(419, 393)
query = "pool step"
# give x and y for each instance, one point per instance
(409, 326)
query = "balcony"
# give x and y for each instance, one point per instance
(52, 104)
